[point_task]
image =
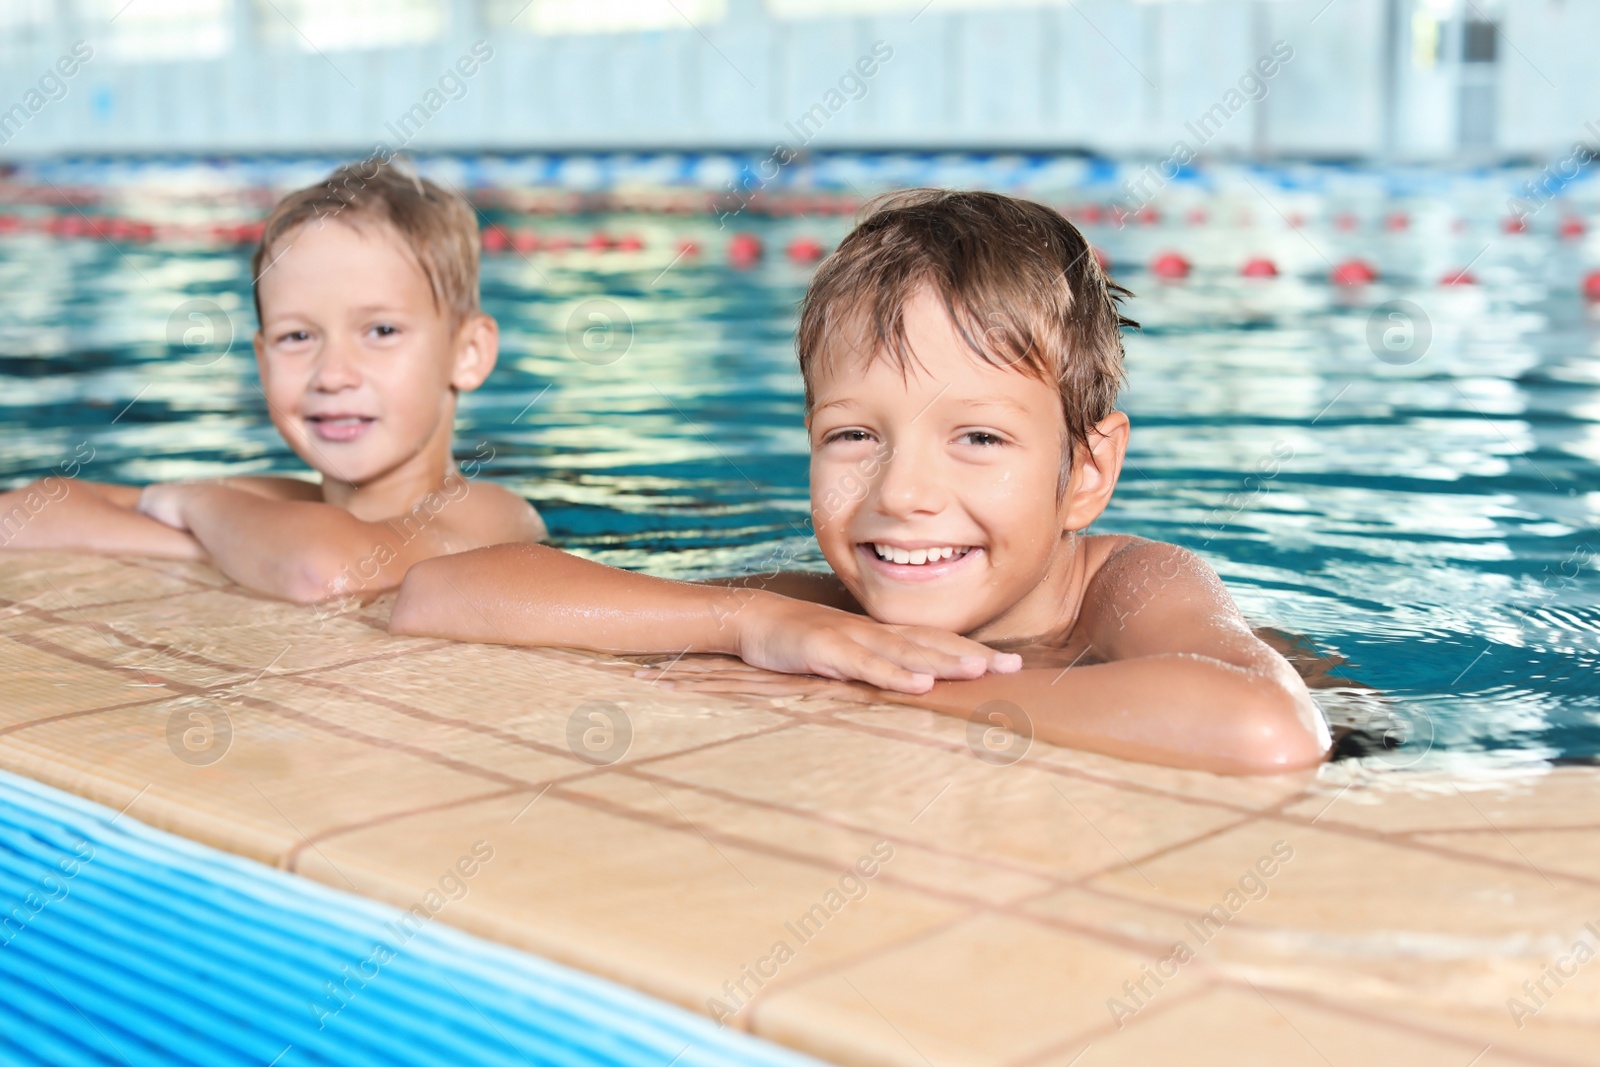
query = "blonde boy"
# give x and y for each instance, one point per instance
(367, 295)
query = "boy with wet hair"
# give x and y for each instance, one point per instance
(366, 289)
(962, 354)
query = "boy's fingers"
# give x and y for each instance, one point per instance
(929, 659)
(965, 648)
(884, 673)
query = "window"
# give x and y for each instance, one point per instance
(342, 25)
(603, 16)
(163, 29)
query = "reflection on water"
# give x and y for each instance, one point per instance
(1434, 520)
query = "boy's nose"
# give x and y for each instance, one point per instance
(336, 369)
(909, 484)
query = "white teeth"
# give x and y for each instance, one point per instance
(916, 557)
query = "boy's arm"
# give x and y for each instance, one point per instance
(1175, 676)
(810, 586)
(71, 515)
(305, 550)
(536, 595)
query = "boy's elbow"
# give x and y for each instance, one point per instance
(413, 609)
(311, 576)
(1283, 731)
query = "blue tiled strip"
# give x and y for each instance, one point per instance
(124, 945)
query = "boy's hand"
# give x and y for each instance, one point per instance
(796, 637)
(163, 502)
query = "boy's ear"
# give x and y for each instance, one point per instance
(1095, 472)
(477, 348)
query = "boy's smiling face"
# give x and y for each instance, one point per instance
(356, 358)
(935, 494)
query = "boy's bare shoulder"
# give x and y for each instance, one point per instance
(1111, 556)
(1124, 573)
(491, 514)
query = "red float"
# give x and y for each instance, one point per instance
(688, 248)
(1572, 226)
(1514, 224)
(495, 240)
(1196, 216)
(1459, 277)
(631, 242)
(1354, 272)
(1344, 221)
(1259, 267)
(805, 250)
(1397, 221)
(526, 242)
(744, 250)
(1101, 258)
(1169, 265)
(599, 242)
(1591, 287)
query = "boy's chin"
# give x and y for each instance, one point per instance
(345, 465)
(906, 611)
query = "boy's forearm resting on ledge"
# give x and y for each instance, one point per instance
(536, 595)
(70, 515)
(1179, 710)
(295, 549)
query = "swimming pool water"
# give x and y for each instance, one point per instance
(121, 944)
(1426, 508)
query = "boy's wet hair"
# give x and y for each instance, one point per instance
(1020, 283)
(438, 226)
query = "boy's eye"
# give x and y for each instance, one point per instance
(383, 329)
(846, 435)
(982, 437)
(293, 336)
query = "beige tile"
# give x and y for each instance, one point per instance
(458, 733)
(112, 648)
(39, 684)
(1351, 917)
(276, 782)
(665, 907)
(249, 633)
(1020, 817)
(63, 582)
(549, 699)
(193, 574)
(951, 877)
(989, 990)
(1565, 1029)
(1254, 793)
(1568, 851)
(1152, 923)
(1398, 802)
(1239, 1027)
